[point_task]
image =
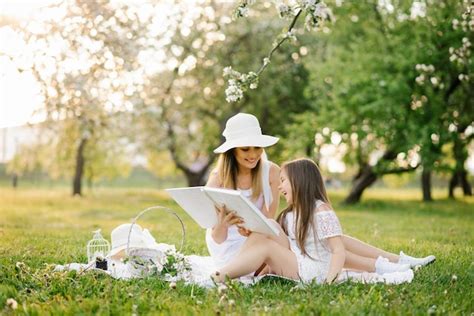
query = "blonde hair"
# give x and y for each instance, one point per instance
(228, 169)
(307, 186)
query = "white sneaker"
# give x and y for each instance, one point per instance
(413, 262)
(382, 266)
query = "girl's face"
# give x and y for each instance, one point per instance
(248, 157)
(285, 186)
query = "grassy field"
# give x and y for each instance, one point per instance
(42, 227)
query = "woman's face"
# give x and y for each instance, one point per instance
(248, 157)
(285, 187)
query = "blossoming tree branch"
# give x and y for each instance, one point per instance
(315, 12)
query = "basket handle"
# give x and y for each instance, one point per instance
(183, 230)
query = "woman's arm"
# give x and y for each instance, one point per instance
(224, 218)
(274, 182)
(214, 181)
(338, 257)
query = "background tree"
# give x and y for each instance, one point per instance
(366, 88)
(83, 54)
(184, 109)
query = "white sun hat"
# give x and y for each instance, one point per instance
(243, 130)
(139, 239)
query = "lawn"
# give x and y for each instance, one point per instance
(40, 228)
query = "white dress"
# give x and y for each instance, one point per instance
(316, 265)
(222, 253)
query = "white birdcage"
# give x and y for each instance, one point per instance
(98, 246)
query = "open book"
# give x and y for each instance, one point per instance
(199, 203)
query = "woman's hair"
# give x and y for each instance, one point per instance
(228, 169)
(307, 186)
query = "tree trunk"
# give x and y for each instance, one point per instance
(80, 161)
(426, 185)
(365, 178)
(453, 184)
(196, 178)
(15, 181)
(459, 177)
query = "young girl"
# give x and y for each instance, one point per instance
(242, 166)
(315, 248)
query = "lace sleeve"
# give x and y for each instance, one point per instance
(327, 225)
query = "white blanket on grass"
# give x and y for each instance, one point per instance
(202, 267)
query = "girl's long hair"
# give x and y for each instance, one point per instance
(228, 170)
(307, 186)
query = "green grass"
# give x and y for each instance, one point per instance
(45, 227)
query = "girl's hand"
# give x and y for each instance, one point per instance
(244, 231)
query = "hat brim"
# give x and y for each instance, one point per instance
(259, 141)
(120, 251)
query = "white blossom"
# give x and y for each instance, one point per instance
(420, 79)
(233, 93)
(418, 9)
(385, 6)
(284, 10)
(463, 77)
(11, 303)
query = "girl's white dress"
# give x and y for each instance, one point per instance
(316, 265)
(222, 253)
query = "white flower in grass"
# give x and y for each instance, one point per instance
(454, 277)
(432, 310)
(222, 289)
(11, 303)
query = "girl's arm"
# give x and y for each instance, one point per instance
(338, 257)
(329, 229)
(274, 182)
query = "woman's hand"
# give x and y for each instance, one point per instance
(225, 219)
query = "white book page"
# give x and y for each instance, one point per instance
(234, 201)
(197, 204)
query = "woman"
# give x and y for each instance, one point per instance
(242, 166)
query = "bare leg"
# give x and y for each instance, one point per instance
(365, 250)
(359, 263)
(281, 239)
(261, 250)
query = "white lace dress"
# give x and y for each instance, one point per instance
(316, 265)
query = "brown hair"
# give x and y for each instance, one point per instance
(228, 169)
(307, 186)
